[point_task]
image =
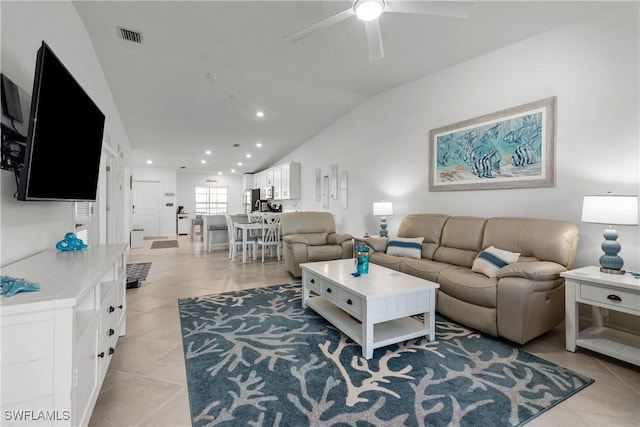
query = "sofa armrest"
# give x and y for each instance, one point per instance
(536, 270)
(378, 244)
(338, 238)
(295, 238)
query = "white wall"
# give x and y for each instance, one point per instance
(591, 67)
(30, 227)
(186, 190)
(183, 185)
(167, 179)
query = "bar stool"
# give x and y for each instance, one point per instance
(196, 227)
(211, 229)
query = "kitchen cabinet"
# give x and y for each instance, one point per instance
(269, 178)
(287, 187)
(247, 181)
(277, 183)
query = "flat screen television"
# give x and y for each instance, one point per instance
(64, 140)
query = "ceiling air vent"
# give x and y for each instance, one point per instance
(130, 35)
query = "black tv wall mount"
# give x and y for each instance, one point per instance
(12, 150)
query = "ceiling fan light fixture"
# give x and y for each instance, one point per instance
(368, 10)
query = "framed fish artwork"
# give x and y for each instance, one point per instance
(512, 148)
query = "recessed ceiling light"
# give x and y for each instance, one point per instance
(239, 163)
(203, 161)
(233, 171)
(260, 113)
(248, 155)
(208, 152)
(219, 172)
(211, 76)
(259, 144)
(149, 162)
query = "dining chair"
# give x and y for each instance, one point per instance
(235, 241)
(270, 234)
(254, 217)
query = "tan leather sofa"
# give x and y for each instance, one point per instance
(524, 300)
(310, 237)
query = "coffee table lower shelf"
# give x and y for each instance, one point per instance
(384, 333)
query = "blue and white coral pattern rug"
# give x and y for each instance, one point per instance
(257, 358)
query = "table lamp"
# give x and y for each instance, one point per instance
(610, 210)
(383, 209)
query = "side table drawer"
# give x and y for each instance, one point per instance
(611, 297)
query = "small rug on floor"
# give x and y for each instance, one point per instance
(256, 357)
(160, 244)
(138, 271)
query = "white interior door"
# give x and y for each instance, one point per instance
(146, 207)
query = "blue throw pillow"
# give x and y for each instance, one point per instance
(491, 260)
(408, 246)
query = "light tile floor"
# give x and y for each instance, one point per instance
(146, 383)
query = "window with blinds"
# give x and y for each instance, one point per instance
(211, 200)
(82, 217)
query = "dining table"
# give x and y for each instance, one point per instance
(246, 227)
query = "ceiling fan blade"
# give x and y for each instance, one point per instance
(374, 40)
(327, 22)
(451, 9)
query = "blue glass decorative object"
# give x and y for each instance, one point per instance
(362, 256)
(71, 243)
(10, 286)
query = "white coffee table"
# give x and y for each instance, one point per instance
(373, 309)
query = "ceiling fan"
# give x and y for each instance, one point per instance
(369, 11)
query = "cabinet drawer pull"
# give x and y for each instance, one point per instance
(101, 355)
(328, 290)
(614, 298)
(349, 301)
(111, 309)
(111, 331)
(111, 350)
(312, 281)
(120, 306)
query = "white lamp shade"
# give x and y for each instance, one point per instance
(610, 210)
(382, 208)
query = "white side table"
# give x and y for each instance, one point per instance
(601, 290)
(360, 240)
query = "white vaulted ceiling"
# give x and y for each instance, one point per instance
(173, 110)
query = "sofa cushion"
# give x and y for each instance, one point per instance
(491, 260)
(324, 253)
(546, 240)
(428, 226)
(423, 268)
(465, 285)
(388, 261)
(461, 241)
(405, 246)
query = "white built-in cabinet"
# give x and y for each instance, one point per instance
(269, 177)
(259, 181)
(247, 181)
(277, 182)
(284, 178)
(288, 186)
(57, 343)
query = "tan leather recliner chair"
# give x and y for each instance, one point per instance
(310, 237)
